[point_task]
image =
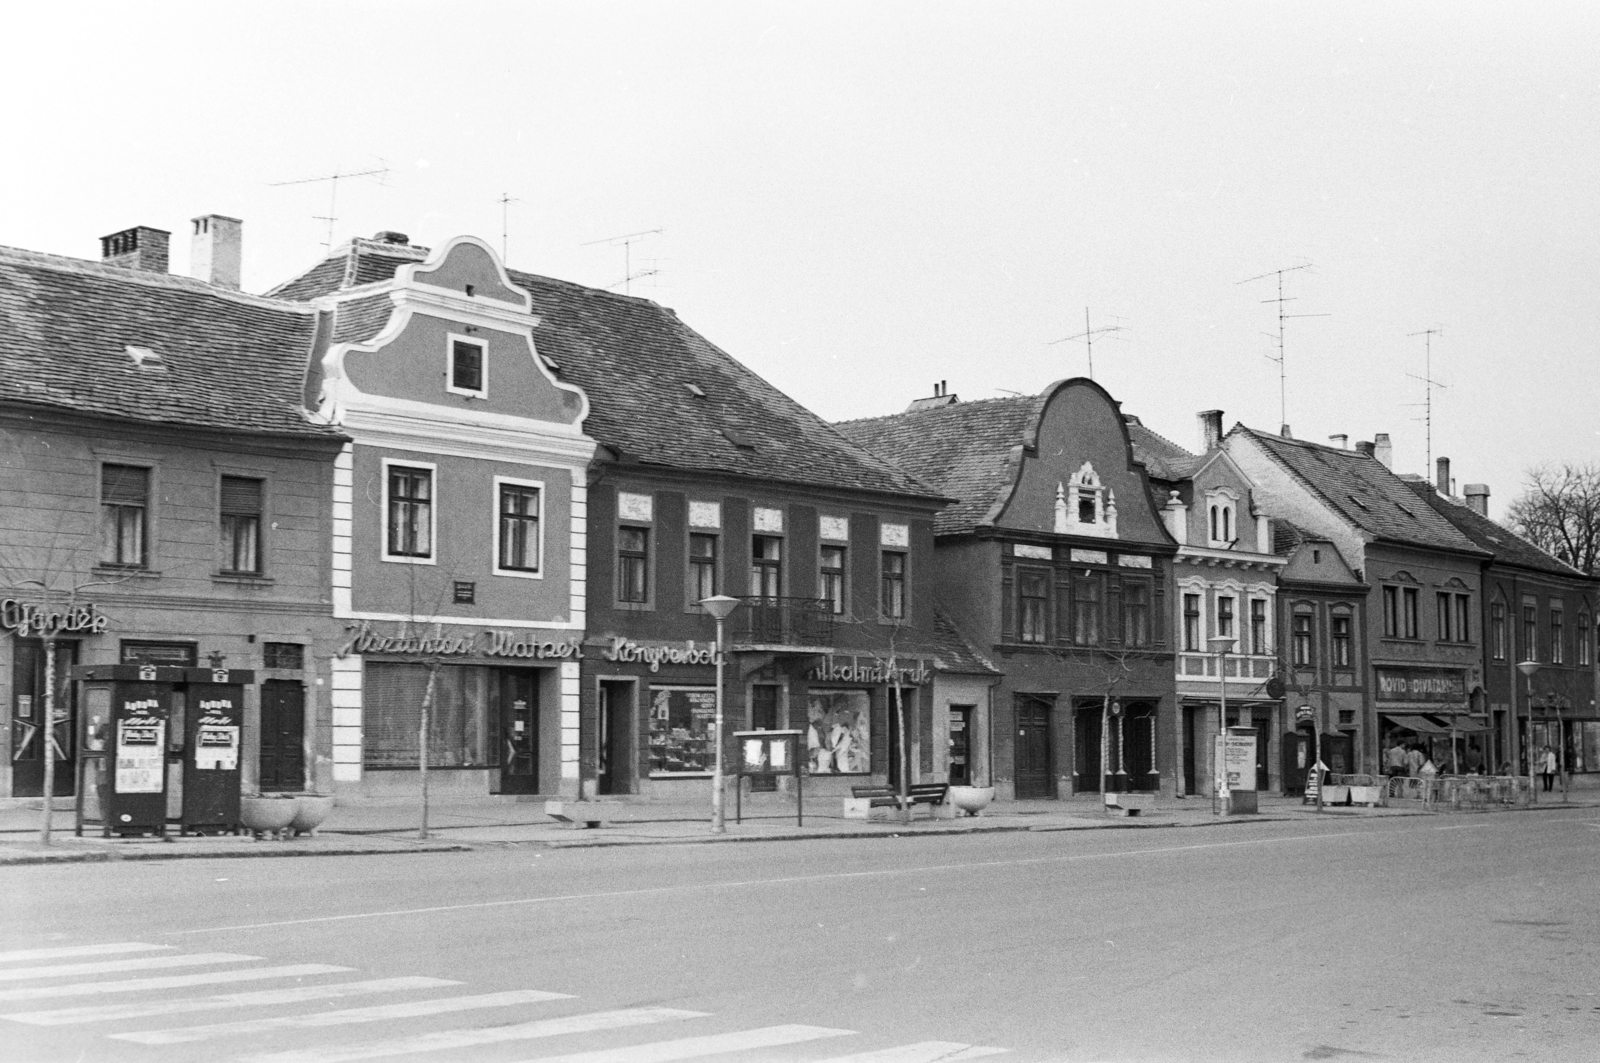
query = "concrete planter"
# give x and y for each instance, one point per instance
(310, 811)
(267, 815)
(971, 800)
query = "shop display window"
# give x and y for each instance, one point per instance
(458, 719)
(682, 722)
(839, 732)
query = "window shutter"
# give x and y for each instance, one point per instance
(241, 495)
(124, 484)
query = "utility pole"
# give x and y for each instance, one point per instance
(1086, 337)
(1428, 384)
(1283, 316)
(333, 180)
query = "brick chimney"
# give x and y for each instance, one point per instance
(1210, 430)
(1441, 476)
(1363, 447)
(216, 250)
(1339, 441)
(1477, 498)
(1383, 450)
(140, 247)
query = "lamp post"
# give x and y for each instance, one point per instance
(1221, 645)
(720, 606)
(1527, 668)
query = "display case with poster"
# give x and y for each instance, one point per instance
(765, 754)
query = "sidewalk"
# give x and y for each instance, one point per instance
(366, 828)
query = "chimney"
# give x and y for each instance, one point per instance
(1339, 441)
(1383, 450)
(215, 250)
(1363, 447)
(389, 236)
(1478, 498)
(941, 397)
(1441, 476)
(1210, 430)
(1283, 431)
(140, 247)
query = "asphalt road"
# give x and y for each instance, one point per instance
(1422, 938)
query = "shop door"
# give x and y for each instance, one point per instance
(1034, 778)
(1088, 734)
(615, 722)
(1296, 756)
(28, 725)
(960, 745)
(1138, 748)
(283, 734)
(519, 731)
(1192, 731)
(1262, 722)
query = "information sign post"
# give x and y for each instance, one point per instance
(767, 754)
(1239, 768)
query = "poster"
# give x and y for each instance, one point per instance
(141, 756)
(838, 732)
(1239, 760)
(216, 747)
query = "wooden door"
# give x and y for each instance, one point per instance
(1263, 726)
(281, 761)
(1031, 755)
(519, 731)
(1138, 748)
(615, 722)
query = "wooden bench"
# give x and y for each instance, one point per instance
(865, 798)
(1129, 804)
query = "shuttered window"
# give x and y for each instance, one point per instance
(391, 705)
(124, 510)
(241, 524)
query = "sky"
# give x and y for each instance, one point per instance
(858, 200)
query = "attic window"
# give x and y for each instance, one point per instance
(738, 439)
(1401, 507)
(145, 358)
(1358, 502)
(694, 389)
(550, 363)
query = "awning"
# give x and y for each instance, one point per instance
(1419, 724)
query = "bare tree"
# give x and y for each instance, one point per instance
(1559, 512)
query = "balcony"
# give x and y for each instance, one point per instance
(1240, 666)
(782, 624)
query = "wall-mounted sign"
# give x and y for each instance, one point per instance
(852, 670)
(364, 639)
(655, 654)
(34, 621)
(1439, 685)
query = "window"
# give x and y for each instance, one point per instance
(241, 525)
(1463, 627)
(1530, 632)
(1135, 615)
(1557, 628)
(1258, 626)
(1191, 623)
(1033, 593)
(830, 578)
(1341, 641)
(458, 719)
(1225, 616)
(1408, 612)
(518, 548)
(1497, 623)
(291, 655)
(1221, 522)
(682, 722)
(410, 530)
(1584, 655)
(1085, 506)
(1391, 612)
(124, 498)
(702, 566)
(1300, 639)
(1086, 610)
(1444, 618)
(766, 567)
(894, 584)
(633, 565)
(467, 368)
(838, 732)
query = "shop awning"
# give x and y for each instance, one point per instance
(1419, 724)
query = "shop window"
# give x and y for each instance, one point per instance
(1033, 605)
(1341, 641)
(517, 531)
(1086, 611)
(838, 732)
(287, 655)
(702, 566)
(409, 506)
(240, 505)
(830, 577)
(1191, 623)
(633, 565)
(1557, 631)
(468, 374)
(682, 725)
(1497, 632)
(458, 718)
(1135, 614)
(766, 567)
(1258, 626)
(893, 573)
(1300, 639)
(124, 515)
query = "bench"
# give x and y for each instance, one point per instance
(863, 799)
(1129, 804)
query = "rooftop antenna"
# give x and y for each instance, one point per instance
(1086, 337)
(627, 241)
(505, 201)
(333, 180)
(1428, 384)
(1283, 390)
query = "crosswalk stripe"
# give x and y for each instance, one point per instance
(699, 1047)
(347, 1017)
(171, 981)
(58, 970)
(921, 1052)
(441, 1040)
(150, 1009)
(66, 951)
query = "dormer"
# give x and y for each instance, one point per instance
(1222, 518)
(1085, 506)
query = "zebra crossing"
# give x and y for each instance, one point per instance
(59, 980)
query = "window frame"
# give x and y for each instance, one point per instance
(452, 341)
(894, 585)
(227, 544)
(1193, 630)
(142, 509)
(626, 559)
(1463, 617)
(432, 469)
(499, 568)
(1342, 644)
(1530, 631)
(1585, 651)
(1558, 625)
(1033, 610)
(1089, 611)
(1226, 618)
(833, 582)
(760, 566)
(1497, 629)
(1303, 638)
(1260, 628)
(1410, 612)
(1138, 599)
(694, 563)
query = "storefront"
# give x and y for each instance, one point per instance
(1429, 709)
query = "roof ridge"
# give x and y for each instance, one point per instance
(946, 410)
(147, 278)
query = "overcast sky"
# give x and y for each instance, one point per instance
(859, 200)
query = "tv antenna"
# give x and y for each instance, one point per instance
(505, 201)
(1283, 390)
(333, 180)
(627, 240)
(1428, 384)
(1086, 337)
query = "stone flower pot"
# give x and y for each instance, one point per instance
(267, 814)
(310, 811)
(970, 800)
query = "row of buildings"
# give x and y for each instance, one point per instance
(411, 476)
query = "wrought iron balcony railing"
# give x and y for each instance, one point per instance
(783, 622)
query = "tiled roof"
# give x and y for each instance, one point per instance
(1506, 545)
(1162, 458)
(356, 263)
(218, 359)
(964, 450)
(361, 318)
(1365, 492)
(954, 653)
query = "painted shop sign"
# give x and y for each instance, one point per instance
(851, 670)
(655, 654)
(1443, 685)
(364, 639)
(26, 620)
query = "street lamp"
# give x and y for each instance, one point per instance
(720, 606)
(1221, 645)
(1527, 668)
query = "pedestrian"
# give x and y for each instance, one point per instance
(1414, 761)
(1547, 767)
(1394, 759)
